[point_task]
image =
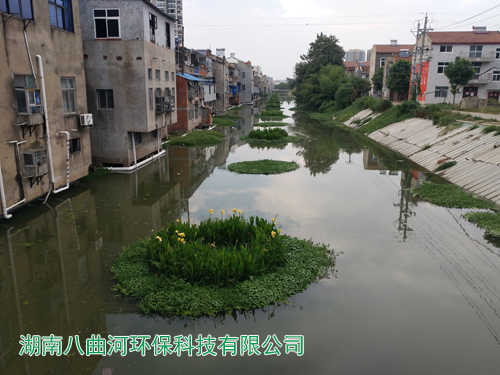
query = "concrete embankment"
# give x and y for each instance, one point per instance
(478, 161)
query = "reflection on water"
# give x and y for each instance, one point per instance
(417, 288)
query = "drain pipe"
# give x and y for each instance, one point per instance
(2, 196)
(133, 146)
(46, 115)
(67, 164)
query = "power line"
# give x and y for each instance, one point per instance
(307, 24)
(484, 19)
(496, 6)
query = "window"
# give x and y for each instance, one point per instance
(382, 61)
(167, 27)
(150, 91)
(150, 73)
(74, 145)
(21, 7)
(137, 138)
(242, 74)
(475, 51)
(173, 76)
(61, 14)
(105, 99)
(497, 54)
(68, 95)
(157, 74)
(496, 75)
(445, 48)
(28, 97)
(477, 68)
(441, 92)
(166, 75)
(107, 23)
(167, 92)
(441, 66)
(153, 25)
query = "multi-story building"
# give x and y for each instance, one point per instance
(480, 46)
(245, 78)
(45, 146)
(174, 9)
(355, 55)
(380, 53)
(130, 66)
(221, 76)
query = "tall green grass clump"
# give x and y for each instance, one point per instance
(217, 252)
(198, 138)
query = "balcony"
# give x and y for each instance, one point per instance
(481, 79)
(483, 56)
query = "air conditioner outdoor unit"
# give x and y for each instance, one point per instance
(166, 104)
(35, 162)
(172, 103)
(86, 119)
(33, 119)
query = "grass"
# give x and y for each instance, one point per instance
(97, 173)
(390, 116)
(283, 140)
(451, 196)
(426, 147)
(305, 262)
(473, 127)
(265, 166)
(491, 128)
(487, 220)
(226, 119)
(446, 165)
(270, 123)
(198, 138)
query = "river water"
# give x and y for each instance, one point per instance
(416, 288)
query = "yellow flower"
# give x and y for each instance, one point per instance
(182, 235)
(176, 231)
(178, 238)
(182, 240)
(178, 220)
(234, 210)
(280, 230)
(276, 224)
(273, 219)
(273, 234)
(240, 212)
(158, 238)
(210, 211)
(222, 212)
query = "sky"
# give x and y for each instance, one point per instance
(273, 34)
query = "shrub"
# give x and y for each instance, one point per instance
(445, 165)
(490, 129)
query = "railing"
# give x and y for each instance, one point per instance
(478, 55)
(481, 79)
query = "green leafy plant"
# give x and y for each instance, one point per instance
(265, 166)
(446, 165)
(487, 220)
(448, 195)
(198, 138)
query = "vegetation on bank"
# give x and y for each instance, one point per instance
(96, 173)
(265, 166)
(451, 196)
(198, 138)
(227, 119)
(487, 220)
(219, 266)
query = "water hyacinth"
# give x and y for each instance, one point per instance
(217, 252)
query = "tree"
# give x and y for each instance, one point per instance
(324, 51)
(378, 79)
(458, 73)
(350, 91)
(399, 76)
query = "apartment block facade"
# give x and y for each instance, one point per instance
(42, 94)
(131, 87)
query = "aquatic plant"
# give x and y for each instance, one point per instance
(198, 138)
(265, 166)
(218, 266)
(487, 220)
(448, 195)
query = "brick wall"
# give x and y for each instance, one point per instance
(182, 106)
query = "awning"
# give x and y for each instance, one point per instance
(189, 77)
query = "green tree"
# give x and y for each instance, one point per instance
(399, 76)
(350, 91)
(378, 79)
(458, 73)
(324, 51)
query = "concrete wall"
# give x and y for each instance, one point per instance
(62, 56)
(123, 66)
(220, 71)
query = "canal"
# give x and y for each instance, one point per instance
(416, 288)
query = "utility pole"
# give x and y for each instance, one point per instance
(413, 93)
(424, 33)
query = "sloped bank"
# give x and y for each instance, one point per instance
(474, 151)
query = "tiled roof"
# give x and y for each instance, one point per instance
(350, 65)
(387, 48)
(464, 37)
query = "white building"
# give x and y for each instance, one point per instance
(479, 46)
